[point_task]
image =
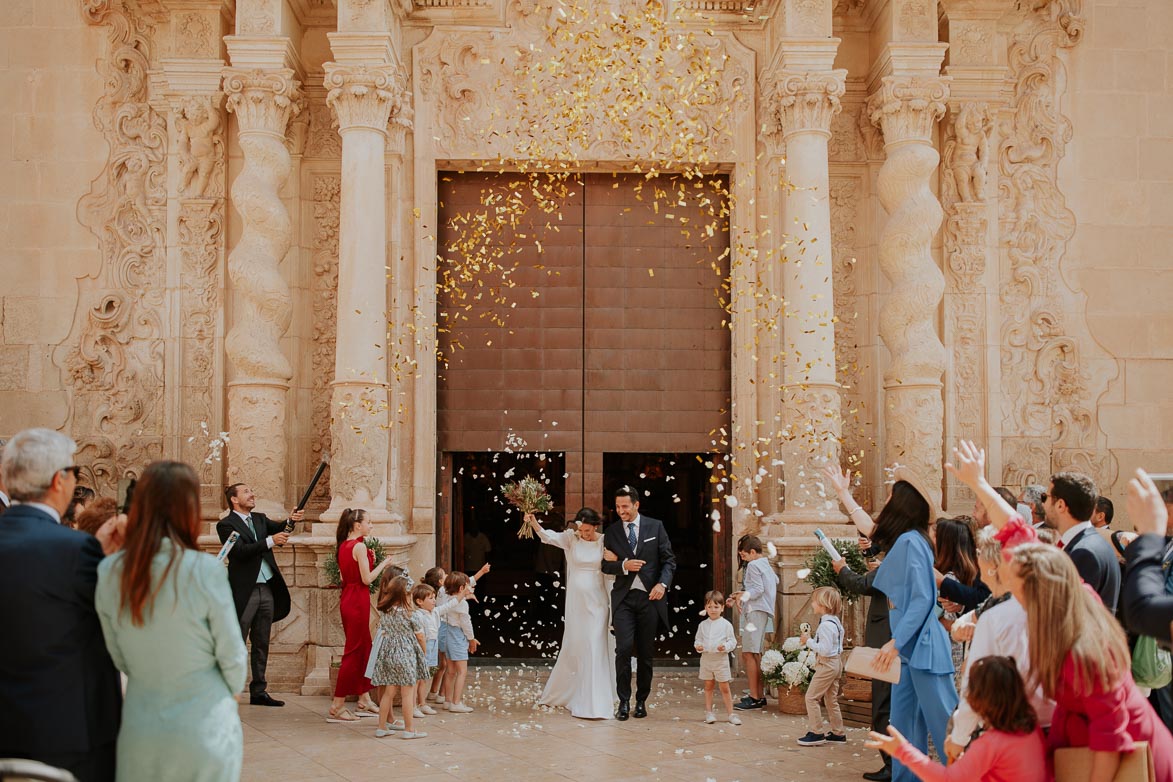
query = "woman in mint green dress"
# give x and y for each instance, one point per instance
(170, 625)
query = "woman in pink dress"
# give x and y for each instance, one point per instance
(1079, 654)
(356, 563)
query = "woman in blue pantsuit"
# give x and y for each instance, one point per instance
(925, 696)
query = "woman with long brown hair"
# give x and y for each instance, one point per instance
(1079, 656)
(170, 625)
(356, 564)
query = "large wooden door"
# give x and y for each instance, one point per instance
(606, 336)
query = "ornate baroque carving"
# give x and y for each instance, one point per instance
(327, 194)
(195, 37)
(1049, 397)
(323, 140)
(113, 357)
(263, 102)
(201, 232)
(846, 143)
(366, 95)
(201, 147)
(967, 153)
(907, 108)
(806, 101)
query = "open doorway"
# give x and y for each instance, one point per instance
(676, 489)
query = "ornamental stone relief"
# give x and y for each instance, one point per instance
(1049, 396)
(201, 148)
(113, 356)
(327, 190)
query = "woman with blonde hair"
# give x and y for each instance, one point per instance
(1079, 656)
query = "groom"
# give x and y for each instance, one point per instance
(643, 574)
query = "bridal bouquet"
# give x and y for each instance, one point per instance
(529, 496)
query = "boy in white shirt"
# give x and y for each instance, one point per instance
(827, 644)
(714, 640)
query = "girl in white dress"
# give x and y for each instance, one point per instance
(583, 679)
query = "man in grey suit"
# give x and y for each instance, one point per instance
(1069, 504)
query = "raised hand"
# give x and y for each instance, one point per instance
(1146, 507)
(840, 480)
(969, 463)
(887, 743)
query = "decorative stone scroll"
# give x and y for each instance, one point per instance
(906, 108)
(1049, 395)
(263, 101)
(113, 356)
(809, 100)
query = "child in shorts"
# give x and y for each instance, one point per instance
(715, 640)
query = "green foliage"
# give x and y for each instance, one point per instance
(822, 574)
(330, 566)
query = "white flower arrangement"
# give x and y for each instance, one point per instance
(796, 674)
(807, 658)
(772, 660)
(791, 645)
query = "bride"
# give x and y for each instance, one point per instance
(583, 679)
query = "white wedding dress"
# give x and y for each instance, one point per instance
(583, 679)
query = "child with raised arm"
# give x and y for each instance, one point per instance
(715, 640)
(827, 644)
(1010, 749)
(458, 641)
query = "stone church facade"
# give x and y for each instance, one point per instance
(224, 216)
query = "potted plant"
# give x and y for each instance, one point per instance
(788, 671)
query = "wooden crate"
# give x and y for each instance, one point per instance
(856, 714)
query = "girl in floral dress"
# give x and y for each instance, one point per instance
(401, 661)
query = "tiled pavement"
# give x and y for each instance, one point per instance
(507, 740)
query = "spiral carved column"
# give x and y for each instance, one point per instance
(264, 101)
(906, 108)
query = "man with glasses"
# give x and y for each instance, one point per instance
(60, 695)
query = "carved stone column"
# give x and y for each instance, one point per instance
(263, 100)
(907, 108)
(807, 102)
(363, 97)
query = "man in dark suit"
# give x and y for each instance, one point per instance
(258, 589)
(643, 574)
(60, 695)
(877, 633)
(1069, 504)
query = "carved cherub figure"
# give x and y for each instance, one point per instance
(971, 152)
(197, 146)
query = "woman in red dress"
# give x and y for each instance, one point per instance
(356, 563)
(1079, 654)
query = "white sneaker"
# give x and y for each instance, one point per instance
(432, 696)
(709, 718)
(426, 709)
(397, 725)
(459, 708)
(419, 734)
(418, 713)
(734, 719)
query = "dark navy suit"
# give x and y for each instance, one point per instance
(60, 695)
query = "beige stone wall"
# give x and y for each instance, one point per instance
(49, 152)
(1119, 183)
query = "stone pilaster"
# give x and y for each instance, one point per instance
(907, 108)
(264, 100)
(363, 97)
(807, 102)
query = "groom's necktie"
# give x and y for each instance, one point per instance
(631, 535)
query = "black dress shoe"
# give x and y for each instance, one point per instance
(621, 715)
(640, 711)
(883, 775)
(265, 699)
